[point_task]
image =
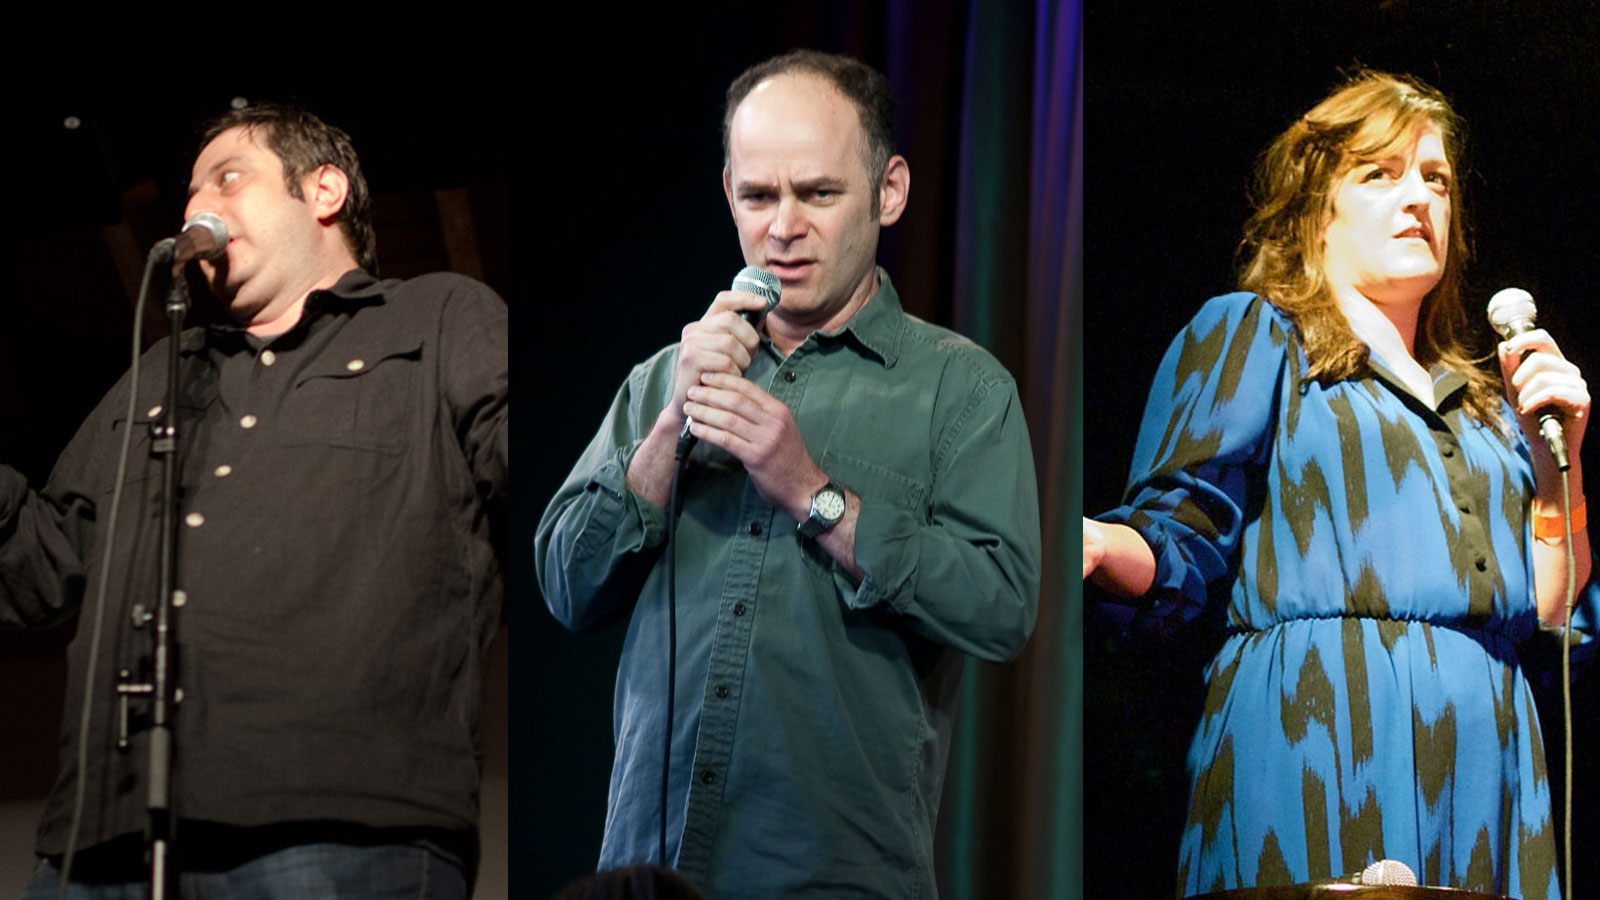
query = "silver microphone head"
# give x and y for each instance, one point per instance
(1389, 872)
(761, 283)
(1508, 307)
(210, 222)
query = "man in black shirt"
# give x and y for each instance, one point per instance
(344, 453)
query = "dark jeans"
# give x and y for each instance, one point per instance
(308, 871)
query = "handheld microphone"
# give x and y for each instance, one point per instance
(1511, 312)
(763, 284)
(751, 280)
(204, 236)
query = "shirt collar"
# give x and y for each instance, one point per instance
(878, 325)
(355, 287)
(1447, 382)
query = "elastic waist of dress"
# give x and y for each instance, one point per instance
(1498, 637)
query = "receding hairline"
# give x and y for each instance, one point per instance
(863, 138)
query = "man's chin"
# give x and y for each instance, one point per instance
(242, 311)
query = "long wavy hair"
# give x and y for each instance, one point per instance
(1372, 116)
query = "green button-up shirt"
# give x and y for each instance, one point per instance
(813, 713)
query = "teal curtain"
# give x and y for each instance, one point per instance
(1011, 823)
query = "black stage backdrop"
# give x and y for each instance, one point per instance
(627, 237)
(1182, 98)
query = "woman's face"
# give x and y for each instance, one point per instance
(1389, 234)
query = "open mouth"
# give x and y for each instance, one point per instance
(1419, 232)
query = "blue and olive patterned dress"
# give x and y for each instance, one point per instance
(1368, 702)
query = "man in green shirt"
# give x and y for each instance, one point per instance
(861, 508)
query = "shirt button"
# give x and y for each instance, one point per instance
(722, 692)
(223, 471)
(755, 527)
(738, 609)
(1482, 564)
(1465, 507)
(153, 412)
(268, 357)
(356, 365)
(1449, 450)
(194, 520)
(789, 376)
(708, 777)
(247, 421)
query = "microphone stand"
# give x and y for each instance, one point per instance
(159, 689)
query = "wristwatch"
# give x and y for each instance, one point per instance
(827, 508)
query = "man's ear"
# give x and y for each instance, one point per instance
(326, 189)
(727, 188)
(893, 191)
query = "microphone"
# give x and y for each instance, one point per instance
(751, 280)
(756, 281)
(1390, 872)
(1386, 871)
(1511, 312)
(204, 236)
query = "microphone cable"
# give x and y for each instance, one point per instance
(766, 285)
(97, 628)
(680, 465)
(1570, 600)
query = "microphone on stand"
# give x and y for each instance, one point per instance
(1389, 872)
(1386, 871)
(204, 236)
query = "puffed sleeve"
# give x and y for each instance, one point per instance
(1203, 446)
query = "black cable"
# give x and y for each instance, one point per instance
(80, 783)
(1566, 675)
(680, 465)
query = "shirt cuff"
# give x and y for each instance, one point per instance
(618, 510)
(885, 551)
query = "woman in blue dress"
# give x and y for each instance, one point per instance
(1379, 514)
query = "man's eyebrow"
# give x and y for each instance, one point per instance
(193, 189)
(806, 185)
(821, 182)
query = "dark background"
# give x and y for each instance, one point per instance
(1181, 99)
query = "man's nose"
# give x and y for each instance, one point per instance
(198, 203)
(789, 221)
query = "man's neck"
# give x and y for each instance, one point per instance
(274, 319)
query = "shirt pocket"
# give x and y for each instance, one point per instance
(874, 484)
(364, 399)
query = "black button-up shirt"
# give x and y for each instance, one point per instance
(339, 574)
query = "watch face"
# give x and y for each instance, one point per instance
(830, 505)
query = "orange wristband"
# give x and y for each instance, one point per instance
(1550, 528)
